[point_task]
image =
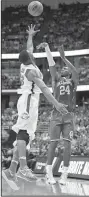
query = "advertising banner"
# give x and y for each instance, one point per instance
(78, 168)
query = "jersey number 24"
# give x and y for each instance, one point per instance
(64, 90)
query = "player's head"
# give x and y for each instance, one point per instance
(26, 57)
(65, 72)
(58, 67)
(23, 56)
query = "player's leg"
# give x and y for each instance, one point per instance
(21, 134)
(10, 174)
(23, 137)
(67, 136)
(22, 141)
(19, 152)
(54, 132)
(24, 172)
(15, 161)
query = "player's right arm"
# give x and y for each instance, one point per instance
(31, 33)
(71, 67)
(32, 75)
(50, 59)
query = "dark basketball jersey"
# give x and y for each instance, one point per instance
(64, 92)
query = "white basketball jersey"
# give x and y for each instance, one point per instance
(28, 86)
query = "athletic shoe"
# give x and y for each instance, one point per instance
(26, 174)
(49, 177)
(63, 178)
(10, 179)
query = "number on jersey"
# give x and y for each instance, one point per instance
(64, 89)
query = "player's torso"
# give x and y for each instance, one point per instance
(29, 86)
(64, 92)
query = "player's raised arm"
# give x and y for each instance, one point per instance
(50, 59)
(31, 33)
(72, 69)
(32, 75)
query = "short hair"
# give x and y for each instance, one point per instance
(23, 56)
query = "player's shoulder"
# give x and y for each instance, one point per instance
(31, 73)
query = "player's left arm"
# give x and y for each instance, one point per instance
(31, 33)
(50, 59)
(72, 69)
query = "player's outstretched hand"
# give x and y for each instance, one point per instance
(61, 50)
(62, 108)
(42, 45)
(31, 30)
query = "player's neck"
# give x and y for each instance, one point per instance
(30, 62)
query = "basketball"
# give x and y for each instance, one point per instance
(35, 8)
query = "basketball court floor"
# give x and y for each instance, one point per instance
(73, 187)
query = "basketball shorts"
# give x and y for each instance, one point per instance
(27, 107)
(61, 124)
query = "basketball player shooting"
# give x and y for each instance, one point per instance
(64, 83)
(31, 86)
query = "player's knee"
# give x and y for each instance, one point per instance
(23, 135)
(53, 144)
(69, 137)
(67, 144)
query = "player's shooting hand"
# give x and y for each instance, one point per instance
(62, 108)
(42, 45)
(31, 30)
(61, 50)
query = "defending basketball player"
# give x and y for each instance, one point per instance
(64, 82)
(31, 86)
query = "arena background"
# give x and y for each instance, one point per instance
(70, 19)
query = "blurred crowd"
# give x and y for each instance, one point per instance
(11, 73)
(68, 25)
(39, 146)
(10, 82)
